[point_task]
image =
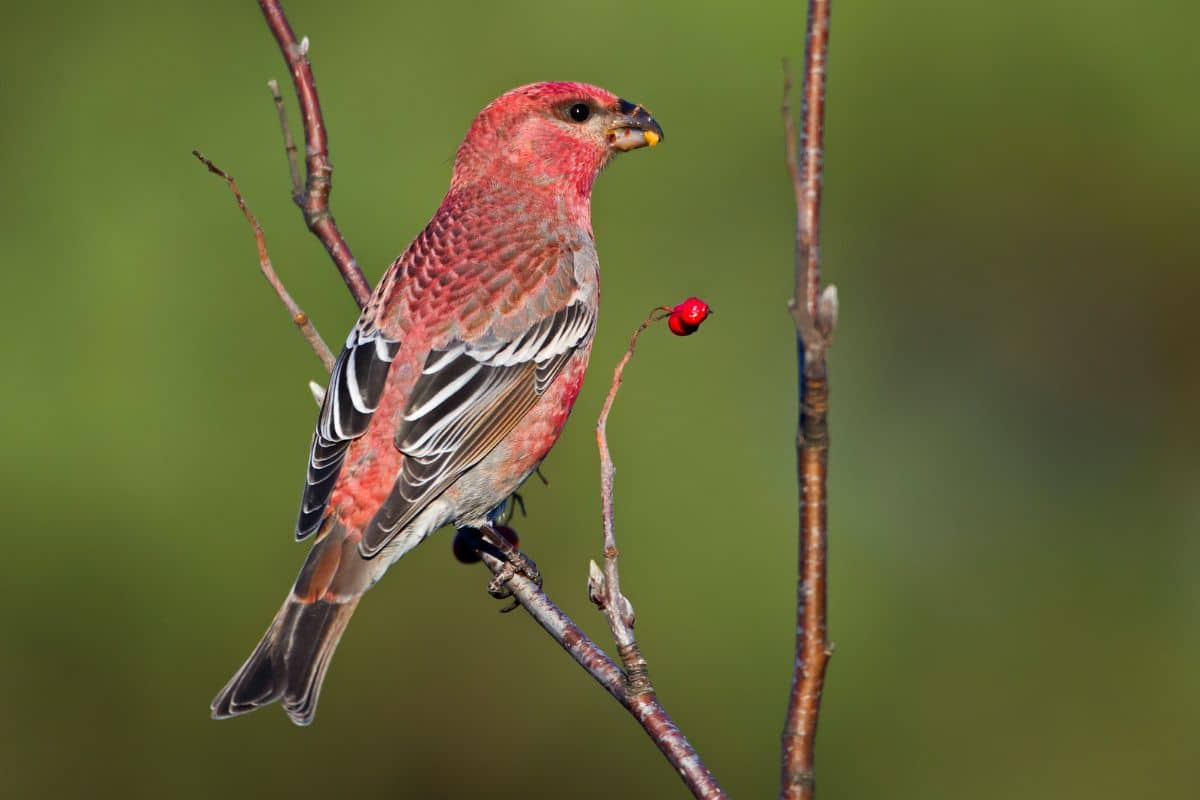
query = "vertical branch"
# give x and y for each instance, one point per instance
(604, 589)
(808, 208)
(314, 200)
(815, 315)
(289, 145)
(611, 601)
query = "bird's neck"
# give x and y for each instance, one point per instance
(553, 177)
(527, 200)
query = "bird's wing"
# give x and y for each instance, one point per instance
(469, 396)
(355, 386)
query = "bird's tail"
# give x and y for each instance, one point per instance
(290, 661)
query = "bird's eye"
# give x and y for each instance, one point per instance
(579, 112)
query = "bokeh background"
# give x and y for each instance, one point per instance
(1011, 222)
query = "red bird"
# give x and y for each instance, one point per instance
(459, 375)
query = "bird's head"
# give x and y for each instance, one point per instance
(554, 137)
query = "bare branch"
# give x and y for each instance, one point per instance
(289, 144)
(799, 304)
(301, 320)
(808, 190)
(560, 627)
(314, 200)
(604, 588)
(614, 604)
(815, 314)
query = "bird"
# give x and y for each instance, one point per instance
(459, 374)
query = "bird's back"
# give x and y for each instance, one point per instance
(488, 268)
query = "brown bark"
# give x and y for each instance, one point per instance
(815, 314)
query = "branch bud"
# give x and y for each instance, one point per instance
(597, 586)
(627, 615)
(827, 310)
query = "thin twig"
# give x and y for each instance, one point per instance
(806, 251)
(289, 144)
(604, 588)
(612, 602)
(314, 200)
(301, 320)
(815, 315)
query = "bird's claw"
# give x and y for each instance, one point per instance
(498, 586)
(515, 563)
(523, 565)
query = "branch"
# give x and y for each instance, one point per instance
(307, 329)
(644, 707)
(289, 144)
(314, 199)
(815, 315)
(604, 588)
(560, 627)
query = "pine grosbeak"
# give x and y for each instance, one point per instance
(459, 374)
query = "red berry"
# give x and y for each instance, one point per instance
(686, 317)
(692, 311)
(678, 326)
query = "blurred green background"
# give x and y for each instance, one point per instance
(1011, 222)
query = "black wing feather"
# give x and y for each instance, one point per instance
(355, 387)
(468, 398)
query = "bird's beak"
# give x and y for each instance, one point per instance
(633, 127)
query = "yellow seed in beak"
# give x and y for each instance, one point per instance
(651, 137)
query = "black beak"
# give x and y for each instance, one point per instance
(634, 128)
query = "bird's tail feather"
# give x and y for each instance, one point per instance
(290, 661)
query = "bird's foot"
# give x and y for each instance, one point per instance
(515, 563)
(519, 564)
